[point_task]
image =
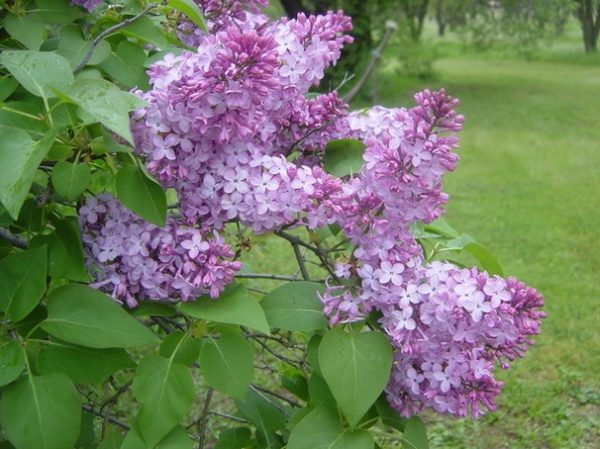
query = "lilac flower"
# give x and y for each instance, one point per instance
(133, 260)
(90, 5)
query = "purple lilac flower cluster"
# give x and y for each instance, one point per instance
(90, 5)
(221, 123)
(449, 329)
(219, 15)
(232, 130)
(134, 260)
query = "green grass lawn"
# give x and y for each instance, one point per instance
(528, 188)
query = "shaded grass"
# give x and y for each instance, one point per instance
(528, 187)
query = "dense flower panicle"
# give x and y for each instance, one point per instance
(90, 5)
(222, 122)
(221, 14)
(449, 329)
(134, 260)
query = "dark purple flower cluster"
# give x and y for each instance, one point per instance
(134, 260)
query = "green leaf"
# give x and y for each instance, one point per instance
(141, 194)
(32, 217)
(41, 412)
(7, 86)
(295, 307)
(166, 391)
(146, 30)
(87, 317)
(37, 71)
(19, 160)
(28, 29)
(150, 308)
(388, 415)
(191, 10)
(87, 433)
(297, 385)
(320, 393)
(126, 65)
(105, 102)
(441, 227)
(70, 180)
(12, 362)
(234, 438)
(181, 347)
(176, 439)
(234, 306)
(83, 365)
(12, 115)
(23, 281)
(74, 47)
(322, 429)
(356, 366)
(65, 251)
(267, 414)
(268, 440)
(228, 364)
(487, 260)
(415, 436)
(344, 157)
(58, 11)
(113, 440)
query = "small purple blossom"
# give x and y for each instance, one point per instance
(90, 5)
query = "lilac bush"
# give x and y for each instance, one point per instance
(129, 218)
(231, 129)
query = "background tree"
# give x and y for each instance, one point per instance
(588, 13)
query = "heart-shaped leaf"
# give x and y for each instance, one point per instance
(356, 366)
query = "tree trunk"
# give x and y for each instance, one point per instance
(588, 13)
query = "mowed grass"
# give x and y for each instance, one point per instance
(528, 187)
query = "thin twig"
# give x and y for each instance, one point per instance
(296, 242)
(231, 417)
(275, 277)
(277, 395)
(294, 363)
(109, 31)
(204, 418)
(390, 28)
(311, 132)
(89, 409)
(320, 252)
(16, 240)
(110, 403)
(274, 404)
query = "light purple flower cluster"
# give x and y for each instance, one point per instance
(222, 122)
(449, 329)
(90, 5)
(400, 183)
(134, 260)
